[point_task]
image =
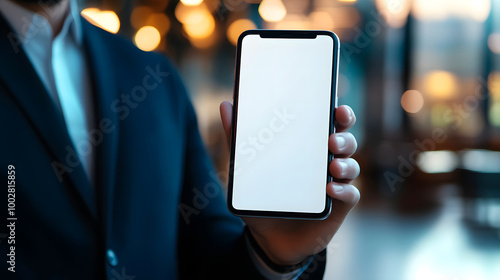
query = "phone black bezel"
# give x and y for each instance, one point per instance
(306, 34)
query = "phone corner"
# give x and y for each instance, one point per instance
(232, 210)
(246, 33)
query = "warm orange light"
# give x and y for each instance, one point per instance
(191, 2)
(139, 16)
(272, 10)
(107, 20)
(412, 101)
(296, 22)
(160, 21)
(440, 84)
(198, 22)
(494, 86)
(237, 27)
(90, 11)
(147, 38)
(203, 43)
(321, 20)
(201, 25)
(190, 14)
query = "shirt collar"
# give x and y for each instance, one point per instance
(27, 24)
(77, 22)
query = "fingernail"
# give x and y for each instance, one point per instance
(340, 142)
(338, 188)
(343, 167)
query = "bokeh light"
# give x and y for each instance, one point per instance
(198, 22)
(203, 43)
(107, 20)
(272, 10)
(147, 38)
(494, 42)
(160, 21)
(321, 20)
(494, 85)
(394, 12)
(438, 112)
(477, 10)
(429, 9)
(483, 161)
(190, 14)
(201, 24)
(494, 114)
(412, 101)
(237, 27)
(437, 161)
(191, 2)
(440, 84)
(293, 22)
(139, 16)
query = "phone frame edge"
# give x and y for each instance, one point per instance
(333, 105)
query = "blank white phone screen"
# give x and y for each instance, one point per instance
(283, 117)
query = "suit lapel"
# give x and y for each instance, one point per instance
(101, 65)
(44, 116)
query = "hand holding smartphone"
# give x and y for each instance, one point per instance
(284, 102)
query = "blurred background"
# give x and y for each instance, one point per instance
(423, 77)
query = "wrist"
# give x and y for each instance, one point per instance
(278, 262)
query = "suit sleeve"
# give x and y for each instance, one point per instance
(211, 241)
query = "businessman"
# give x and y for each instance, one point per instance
(105, 173)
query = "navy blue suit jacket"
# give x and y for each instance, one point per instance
(155, 211)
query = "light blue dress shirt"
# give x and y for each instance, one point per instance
(61, 65)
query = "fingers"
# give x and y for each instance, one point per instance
(345, 196)
(345, 118)
(226, 114)
(344, 169)
(342, 144)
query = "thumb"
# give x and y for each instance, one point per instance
(226, 114)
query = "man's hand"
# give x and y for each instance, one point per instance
(288, 242)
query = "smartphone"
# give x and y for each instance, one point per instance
(283, 114)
